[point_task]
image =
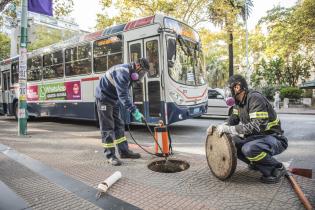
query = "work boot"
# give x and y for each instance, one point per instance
(114, 161)
(129, 154)
(275, 176)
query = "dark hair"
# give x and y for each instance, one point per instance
(238, 79)
(144, 63)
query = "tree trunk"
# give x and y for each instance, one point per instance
(231, 71)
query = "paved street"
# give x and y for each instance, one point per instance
(189, 136)
(59, 164)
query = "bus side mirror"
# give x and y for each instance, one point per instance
(171, 52)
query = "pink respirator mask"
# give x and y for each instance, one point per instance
(228, 97)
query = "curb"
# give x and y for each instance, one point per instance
(301, 113)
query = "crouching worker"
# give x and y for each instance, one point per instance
(255, 130)
(113, 89)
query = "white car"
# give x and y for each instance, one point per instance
(216, 103)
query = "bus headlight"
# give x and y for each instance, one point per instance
(176, 97)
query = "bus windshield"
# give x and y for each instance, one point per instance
(185, 61)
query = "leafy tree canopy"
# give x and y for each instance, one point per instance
(192, 12)
(4, 46)
(61, 7)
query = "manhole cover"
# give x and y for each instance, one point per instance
(169, 166)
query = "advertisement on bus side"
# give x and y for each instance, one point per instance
(55, 91)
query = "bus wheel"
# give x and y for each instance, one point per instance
(16, 110)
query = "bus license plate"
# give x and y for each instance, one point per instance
(196, 110)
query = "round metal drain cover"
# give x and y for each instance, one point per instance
(221, 155)
(169, 166)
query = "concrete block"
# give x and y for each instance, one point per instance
(285, 103)
(307, 101)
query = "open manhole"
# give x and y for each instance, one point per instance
(169, 166)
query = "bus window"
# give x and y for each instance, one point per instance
(53, 65)
(107, 53)
(15, 72)
(84, 51)
(152, 52)
(34, 65)
(70, 54)
(78, 60)
(135, 52)
(114, 59)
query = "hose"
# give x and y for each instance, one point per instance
(170, 140)
(299, 192)
(148, 128)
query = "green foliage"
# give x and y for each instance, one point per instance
(4, 46)
(291, 92)
(270, 71)
(278, 72)
(192, 12)
(48, 36)
(60, 8)
(297, 67)
(214, 45)
(291, 30)
(217, 72)
(225, 13)
(215, 57)
(268, 92)
(288, 47)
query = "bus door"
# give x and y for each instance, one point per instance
(5, 93)
(136, 52)
(147, 93)
(153, 79)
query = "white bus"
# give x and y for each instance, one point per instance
(62, 78)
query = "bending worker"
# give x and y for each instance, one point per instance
(113, 89)
(255, 130)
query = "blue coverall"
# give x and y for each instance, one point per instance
(113, 89)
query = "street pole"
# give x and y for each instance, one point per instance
(246, 44)
(22, 106)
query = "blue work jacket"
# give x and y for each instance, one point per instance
(114, 86)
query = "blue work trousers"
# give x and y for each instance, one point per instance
(112, 128)
(259, 151)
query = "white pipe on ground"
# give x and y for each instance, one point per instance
(107, 183)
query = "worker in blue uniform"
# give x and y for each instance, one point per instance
(112, 90)
(255, 129)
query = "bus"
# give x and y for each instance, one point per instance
(61, 78)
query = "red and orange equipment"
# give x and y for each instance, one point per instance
(161, 138)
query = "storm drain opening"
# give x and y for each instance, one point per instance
(168, 166)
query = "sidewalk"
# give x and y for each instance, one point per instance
(308, 111)
(60, 169)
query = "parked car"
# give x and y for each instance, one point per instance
(216, 103)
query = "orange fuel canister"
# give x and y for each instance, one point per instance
(161, 136)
